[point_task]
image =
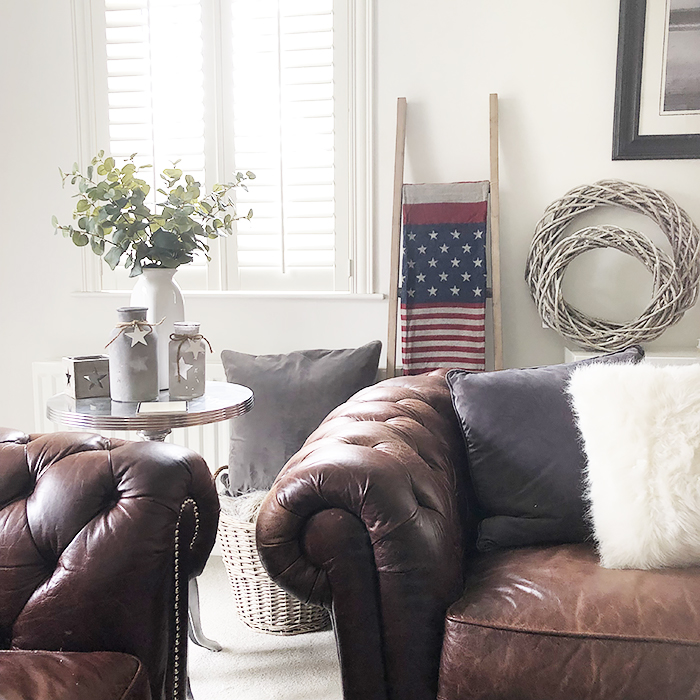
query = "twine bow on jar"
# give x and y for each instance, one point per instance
(180, 338)
(135, 325)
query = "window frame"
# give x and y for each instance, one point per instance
(358, 58)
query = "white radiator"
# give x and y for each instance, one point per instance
(211, 441)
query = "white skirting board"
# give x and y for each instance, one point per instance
(211, 441)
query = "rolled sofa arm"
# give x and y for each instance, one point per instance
(98, 540)
(366, 520)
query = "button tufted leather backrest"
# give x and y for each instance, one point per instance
(87, 541)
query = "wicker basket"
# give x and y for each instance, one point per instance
(260, 602)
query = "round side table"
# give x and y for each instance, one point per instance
(220, 401)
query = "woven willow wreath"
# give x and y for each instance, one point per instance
(675, 279)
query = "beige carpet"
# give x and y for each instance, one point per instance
(253, 665)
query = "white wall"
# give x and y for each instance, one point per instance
(552, 62)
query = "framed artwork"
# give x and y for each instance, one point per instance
(657, 91)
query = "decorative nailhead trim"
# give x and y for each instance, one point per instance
(178, 632)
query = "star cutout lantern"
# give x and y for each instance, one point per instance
(95, 379)
(183, 368)
(195, 347)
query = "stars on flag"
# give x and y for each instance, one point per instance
(435, 270)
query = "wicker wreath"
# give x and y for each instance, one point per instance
(675, 279)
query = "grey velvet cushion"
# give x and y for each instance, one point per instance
(293, 394)
(524, 451)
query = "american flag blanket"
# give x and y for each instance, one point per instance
(443, 276)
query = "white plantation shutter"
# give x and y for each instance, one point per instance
(238, 85)
(284, 131)
(155, 95)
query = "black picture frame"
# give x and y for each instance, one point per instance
(628, 144)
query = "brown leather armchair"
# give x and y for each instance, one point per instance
(375, 519)
(98, 539)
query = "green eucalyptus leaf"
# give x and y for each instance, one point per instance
(80, 239)
(119, 236)
(54, 221)
(136, 270)
(165, 239)
(109, 163)
(112, 256)
(97, 245)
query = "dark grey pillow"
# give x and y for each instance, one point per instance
(525, 456)
(293, 394)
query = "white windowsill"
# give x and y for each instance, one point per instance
(245, 295)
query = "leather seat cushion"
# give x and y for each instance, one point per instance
(51, 675)
(551, 622)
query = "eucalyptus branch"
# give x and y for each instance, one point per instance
(113, 211)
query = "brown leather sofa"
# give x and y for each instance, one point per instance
(376, 520)
(98, 539)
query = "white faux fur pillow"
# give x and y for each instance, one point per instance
(641, 431)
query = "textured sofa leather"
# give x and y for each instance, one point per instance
(375, 519)
(89, 529)
(96, 675)
(608, 634)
